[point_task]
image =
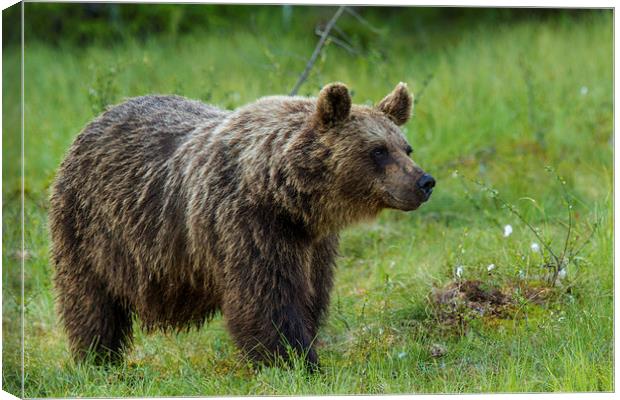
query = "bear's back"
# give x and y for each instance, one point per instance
(149, 119)
(142, 132)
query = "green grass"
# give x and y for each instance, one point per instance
(503, 103)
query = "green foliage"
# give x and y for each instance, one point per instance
(477, 114)
(86, 23)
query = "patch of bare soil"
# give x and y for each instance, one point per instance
(461, 301)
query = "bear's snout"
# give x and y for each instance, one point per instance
(425, 184)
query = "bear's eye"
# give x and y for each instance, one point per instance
(380, 156)
(408, 150)
(379, 153)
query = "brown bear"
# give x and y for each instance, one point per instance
(170, 210)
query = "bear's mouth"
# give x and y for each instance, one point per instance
(403, 205)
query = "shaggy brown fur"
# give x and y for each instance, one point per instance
(170, 210)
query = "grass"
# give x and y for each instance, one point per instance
(503, 103)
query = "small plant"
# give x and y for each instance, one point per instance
(555, 260)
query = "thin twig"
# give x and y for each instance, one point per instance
(477, 206)
(570, 214)
(513, 210)
(342, 34)
(342, 42)
(530, 227)
(568, 233)
(574, 253)
(317, 50)
(337, 41)
(569, 207)
(362, 20)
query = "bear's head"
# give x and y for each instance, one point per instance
(370, 159)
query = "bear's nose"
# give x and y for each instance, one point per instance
(426, 183)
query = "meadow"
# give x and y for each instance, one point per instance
(496, 103)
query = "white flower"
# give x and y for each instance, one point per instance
(584, 90)
(402, 354)
(491, 267)
(455, 174)
(459, 271)
(521, 274)
(535, 247)
(507, 230)
(562, 273)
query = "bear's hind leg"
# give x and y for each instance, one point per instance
(95, 321)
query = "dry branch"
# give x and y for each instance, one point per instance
(338, 42)
(317, 50)
(363, 21)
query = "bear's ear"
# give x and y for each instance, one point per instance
(333, 104)
(398, 104)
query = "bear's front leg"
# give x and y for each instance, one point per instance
(266, 303)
